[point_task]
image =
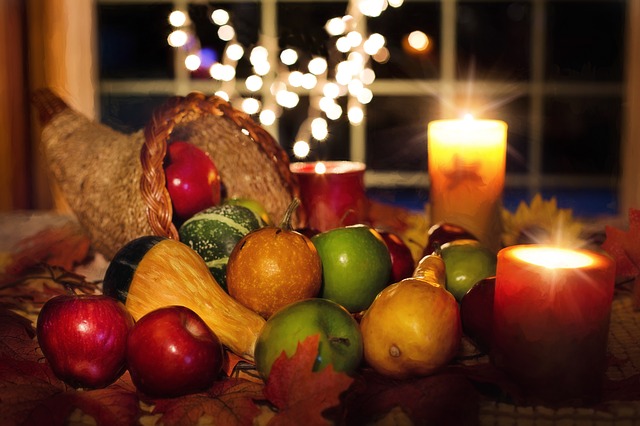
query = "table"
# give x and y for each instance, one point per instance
(624, 346)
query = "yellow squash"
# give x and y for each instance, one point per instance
(152, 272)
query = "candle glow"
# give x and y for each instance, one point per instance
(466, 161)
(551, 314)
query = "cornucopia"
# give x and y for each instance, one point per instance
(115, 182)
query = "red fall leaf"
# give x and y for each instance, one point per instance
(300, 394)
(624, 247)
(228, 402)
(446, 398)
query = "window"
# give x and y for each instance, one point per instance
(541, 65)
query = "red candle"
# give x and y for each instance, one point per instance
(332, 193)
(551, 320)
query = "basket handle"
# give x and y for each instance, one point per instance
(177, 110)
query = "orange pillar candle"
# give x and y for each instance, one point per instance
(332, 193)
(467, 170)
(551, 320)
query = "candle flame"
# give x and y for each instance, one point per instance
(467, 116)
(320, 168)
(554, 257)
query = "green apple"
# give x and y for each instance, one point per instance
(356, 265)
(466, 263)
(340, 341)
(252, 205)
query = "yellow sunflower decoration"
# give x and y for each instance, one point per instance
(541, 222)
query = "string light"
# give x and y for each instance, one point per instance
(351, 74)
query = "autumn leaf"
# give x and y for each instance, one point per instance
(299, 394)
(624, 247)
(447, 398)
(116, 404)
(229, 402)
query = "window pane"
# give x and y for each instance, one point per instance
(128, 113)
(132, 41)
(493, 40)
(585, 40)
(301, 27)
(395, 25)
(397, 132)
(582, 136)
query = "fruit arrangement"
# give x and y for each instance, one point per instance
(173, 326)
(209, 286)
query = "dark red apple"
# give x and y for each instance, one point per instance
(402, 262)
(193, 180)
(172, 352)
(84, 338)
(442, 233)
(476, 312)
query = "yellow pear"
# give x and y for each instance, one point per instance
(413, 327)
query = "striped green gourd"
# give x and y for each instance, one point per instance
(214, 232)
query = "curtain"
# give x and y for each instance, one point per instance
(44, 43)
(630, 184)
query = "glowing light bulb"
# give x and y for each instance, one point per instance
(355, 114)
(382, 56)
(192, 62)
(355, 38)
(343, 44)
(301, 149)
(267, 117)
(335, 26)
(355, 86)
(288, 56)
(177, 18)
(365, 96)
(216, 71)
(309, 81)
(334, 112)
(253, 83)
(287, 99)
(250, 105)
(372, 8)
(177, 38)
(418, 41)
(258, 54)
(222, 94)
(395, 3)
(262, 68)
(331, 90)
(367, 76)
(319, 128)
(228, 73)
(220, 17)
(317, 65)
(295, 78)
(374, 43)
(226, 32)
(234, 51)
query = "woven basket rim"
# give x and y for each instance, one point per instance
(178, 110)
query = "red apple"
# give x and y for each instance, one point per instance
(193, 181)
(402, 262)
(476, 312)
(442, 233)
(84, 338)
(172, 352)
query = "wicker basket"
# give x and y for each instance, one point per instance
(115, 182)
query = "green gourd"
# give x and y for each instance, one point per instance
(214, 232)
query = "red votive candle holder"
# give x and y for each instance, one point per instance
(332, 193)
(551, 314)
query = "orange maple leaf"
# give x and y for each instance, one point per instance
(300, 394)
